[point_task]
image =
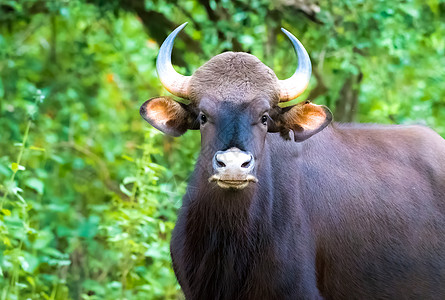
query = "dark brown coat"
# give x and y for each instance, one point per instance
(346, 212)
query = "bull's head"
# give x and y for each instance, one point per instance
(234, 103)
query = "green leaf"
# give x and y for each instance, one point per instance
(35, 184)
(37, 148)
(125, 190)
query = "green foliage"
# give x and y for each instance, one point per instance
(88, 202)
(89, 192)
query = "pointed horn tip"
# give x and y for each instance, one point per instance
(289, 35)
(183, 25)
(177, 30)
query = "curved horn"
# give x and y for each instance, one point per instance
(174, 82)
(294, 86)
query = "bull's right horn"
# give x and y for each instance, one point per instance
(174, 82)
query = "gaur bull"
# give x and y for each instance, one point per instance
(285, 204)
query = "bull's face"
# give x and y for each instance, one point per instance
(232, 138)
(234, 103)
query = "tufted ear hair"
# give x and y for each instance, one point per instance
(169, 116)
(304, 119)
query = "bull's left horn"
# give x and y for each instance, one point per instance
(174, 82)
(294, 86)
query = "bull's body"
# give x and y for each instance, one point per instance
(338, 211)
(353, 212)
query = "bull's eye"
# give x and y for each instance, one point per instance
(264, 119)
(203, 119)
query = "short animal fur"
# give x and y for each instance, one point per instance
(339, 211)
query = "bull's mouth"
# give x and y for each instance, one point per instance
(238, 183)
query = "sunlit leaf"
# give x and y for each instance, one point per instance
(35, 184)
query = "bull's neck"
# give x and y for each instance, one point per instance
(226, 229)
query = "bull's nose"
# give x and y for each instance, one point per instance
(233, 169)
(233, 161)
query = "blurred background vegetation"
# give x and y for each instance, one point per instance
(89, 191)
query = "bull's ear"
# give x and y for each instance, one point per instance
(304, 119)
(169, 116)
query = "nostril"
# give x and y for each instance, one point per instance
(218, 161)
(220, 164)
(246, 164)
